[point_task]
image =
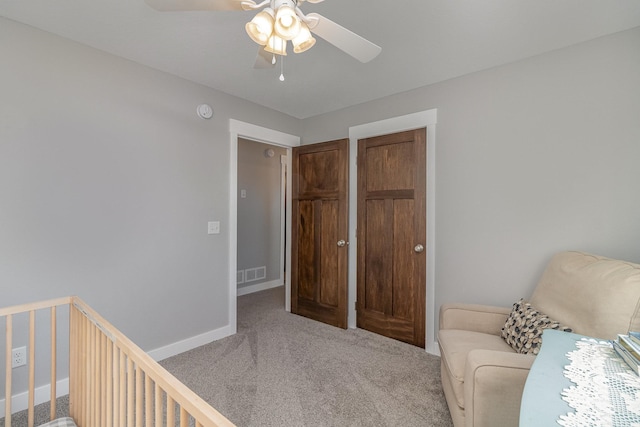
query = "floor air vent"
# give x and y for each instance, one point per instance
(253, 274)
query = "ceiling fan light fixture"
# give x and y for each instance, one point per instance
(276, 45)
(285, 19)
(304, 40)
(261, 26)
(287, 23)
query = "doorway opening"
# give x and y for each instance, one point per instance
(261, 216)
(259, 134)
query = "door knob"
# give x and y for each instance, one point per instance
(419, 248)
(342, 243)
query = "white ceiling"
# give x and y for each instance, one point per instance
(423, 42)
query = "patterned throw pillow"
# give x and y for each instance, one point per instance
(524, 326)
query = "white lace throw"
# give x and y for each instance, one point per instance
(606, 390)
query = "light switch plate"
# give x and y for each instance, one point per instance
(213, 227)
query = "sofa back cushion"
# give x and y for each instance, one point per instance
(593, 295)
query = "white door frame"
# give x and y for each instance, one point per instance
(238, 129)
(424, 119)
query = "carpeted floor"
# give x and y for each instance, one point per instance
(285, 370)
(41, 413)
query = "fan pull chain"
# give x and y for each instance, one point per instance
(282, 68)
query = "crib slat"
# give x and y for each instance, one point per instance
(91, 381)
(75, 394)
(111, 369)
(139, 398)
(86, 372)
(7, 389)
(122, 401)
(158, 398)
(130, 393)
(32, 365)
(86, 361)
(52, 406)
(98, 379)
(148, 401)
(103, 380)
(171, 412)
(73, 374)
(116, 385)
(184, 417)
(95, 376)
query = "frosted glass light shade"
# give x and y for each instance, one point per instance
(304, 40)
(261, 27)
(287, 24)
(276, 45)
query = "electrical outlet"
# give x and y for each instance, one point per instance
(18, 357)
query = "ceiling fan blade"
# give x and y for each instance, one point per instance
(349, 42)
(264, 59)
(179, 5)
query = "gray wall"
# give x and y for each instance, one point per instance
(107, 181)
(259, 228)
(532, 158)
(108, 178)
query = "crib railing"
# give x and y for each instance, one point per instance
(112, 382)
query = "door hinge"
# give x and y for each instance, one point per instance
(356, 305)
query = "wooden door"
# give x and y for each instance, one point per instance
(391, 235)
(319, 241)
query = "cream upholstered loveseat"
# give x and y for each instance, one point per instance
(483, 376)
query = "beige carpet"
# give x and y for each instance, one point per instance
(285, 370)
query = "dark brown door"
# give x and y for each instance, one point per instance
(391, 235)
(319, 232)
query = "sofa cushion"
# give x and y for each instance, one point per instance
(596, 296)
(455, 345)
(524, 326)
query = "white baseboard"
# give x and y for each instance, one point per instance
(259, 287)
(190, 343)
(42, 394)
(433, 348)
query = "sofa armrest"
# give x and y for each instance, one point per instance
(493, 386)
(473, 317)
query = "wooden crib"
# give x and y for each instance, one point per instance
(112, 382)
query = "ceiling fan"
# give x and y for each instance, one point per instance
(279, 22)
